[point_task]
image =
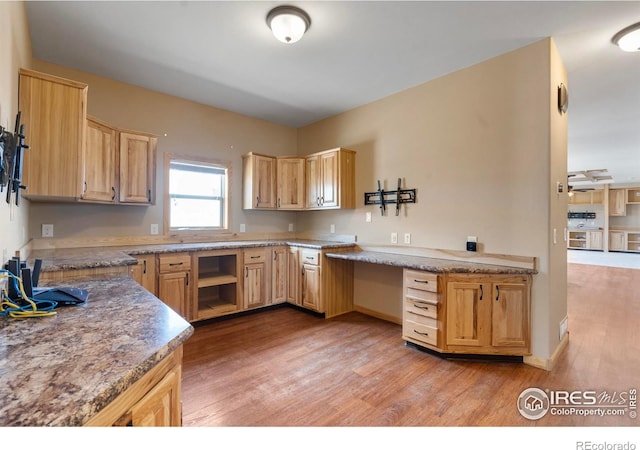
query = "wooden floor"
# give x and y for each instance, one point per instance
(284, 367)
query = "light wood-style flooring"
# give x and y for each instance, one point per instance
(284, 367)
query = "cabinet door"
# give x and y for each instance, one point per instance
(510, 315)
(617, 241)
(329, 180)
(468, 314)
(313, 180)
(617, 202)
(161, 406)
(594, 240)
(53, 111)
(173, 289)
(255, 292)
(290, 176)
(293, 278)
(311, 287)
(100, 163)
(279, 272)
(259, 182)
(144, 273)
(137, 168)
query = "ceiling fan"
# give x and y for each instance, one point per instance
(592, 176)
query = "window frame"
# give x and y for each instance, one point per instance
(198, 231)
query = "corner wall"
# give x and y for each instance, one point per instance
(476, 144)
(15, 48)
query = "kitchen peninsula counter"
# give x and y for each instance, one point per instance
(65, 369)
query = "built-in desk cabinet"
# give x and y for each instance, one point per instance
(217, 286)
(585, 239)
(467, 313)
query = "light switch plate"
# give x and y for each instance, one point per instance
(154, 228)
(394, 238)
(243, 228)
(407, 238)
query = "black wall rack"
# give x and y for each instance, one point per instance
(383, 198)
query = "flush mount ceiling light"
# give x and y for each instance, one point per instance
(288, 23)
(629, 38)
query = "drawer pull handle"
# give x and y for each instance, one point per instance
(419, 332)
(309, 257)
(176, 264)
(255, 257)
(421, 281)
(420, 307)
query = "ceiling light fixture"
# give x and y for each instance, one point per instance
(288, 23)
(629, 38)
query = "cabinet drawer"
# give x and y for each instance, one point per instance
(310, 257)
(255, 256)
(177, 262)
(420, 332)
(421, 308)
(421, 280)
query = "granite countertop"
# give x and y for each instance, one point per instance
(92, 257)
(62, 370)
(435, 265)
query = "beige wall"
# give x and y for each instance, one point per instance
(477, 146)
(15, 48)
(191, 129)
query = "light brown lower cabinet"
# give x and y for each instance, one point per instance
(255, 281)
(145, 272)
(153, 400)
(488, 314)
(174, 277)
(279, 275)
(468, 313)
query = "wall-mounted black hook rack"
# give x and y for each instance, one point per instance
(383, 198)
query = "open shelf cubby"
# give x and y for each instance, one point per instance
(217, 284)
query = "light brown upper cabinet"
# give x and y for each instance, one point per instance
(323, 180)
(73, 157)
(101, 159)
(290, 182)
(330, 179)
(53, 111)
(258, 181)
(137, 167)
(617, 202)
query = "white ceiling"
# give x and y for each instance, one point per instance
(223, 54)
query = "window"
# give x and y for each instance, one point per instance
(197, 194)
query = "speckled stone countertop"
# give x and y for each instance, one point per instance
(84, 258)
(427, 264)
(62, 370)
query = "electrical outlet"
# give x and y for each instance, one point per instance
(367, 217)
(47, 230)
(407, 238)
(333, 228)
(4, 256)
(394, 238)
(290, 227)
(564, 327)
(243, 228)
(154, 228)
